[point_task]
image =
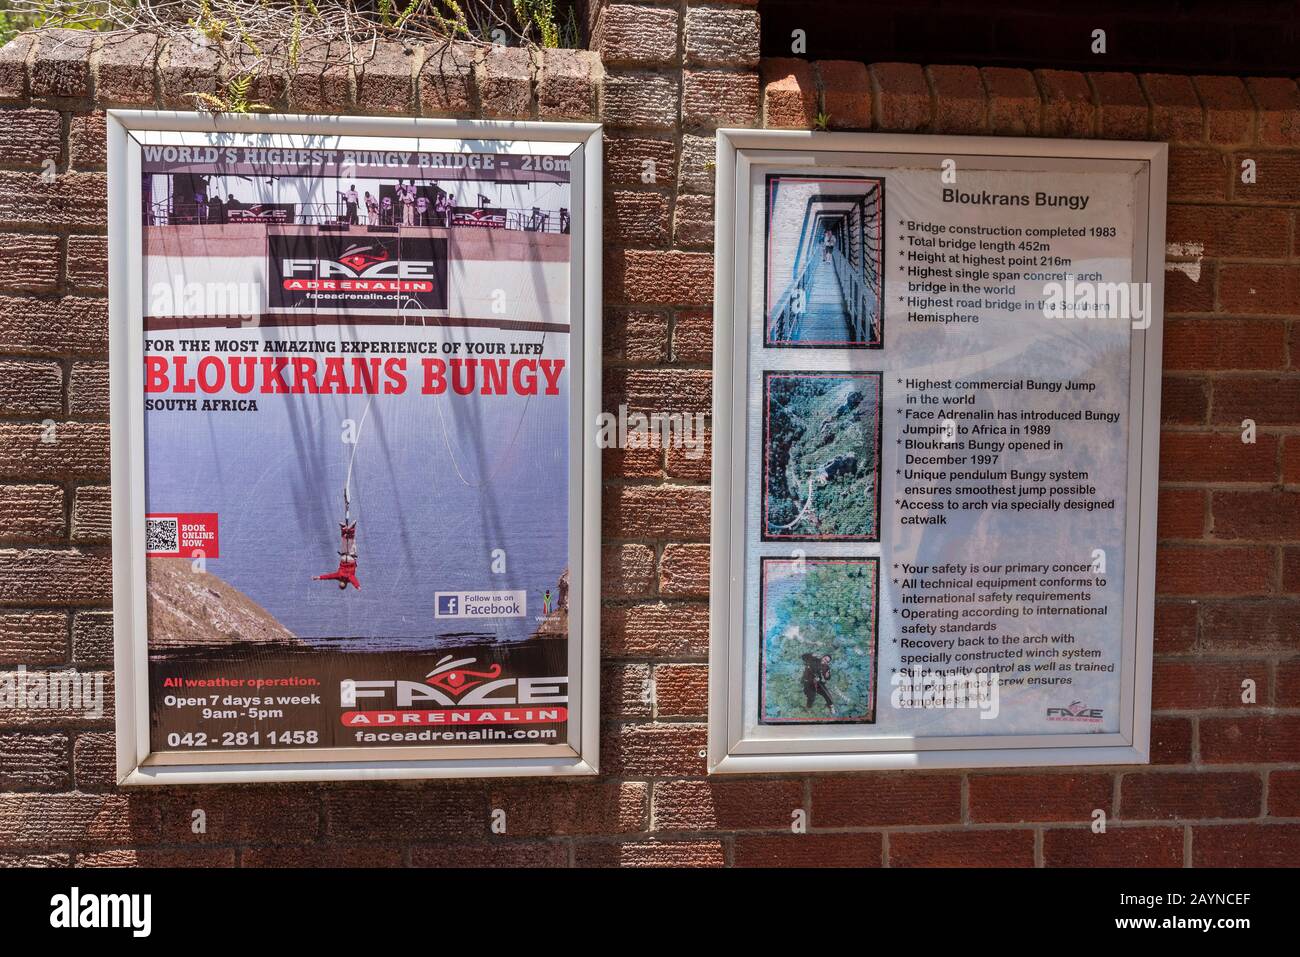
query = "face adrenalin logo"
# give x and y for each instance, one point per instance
(323, 272)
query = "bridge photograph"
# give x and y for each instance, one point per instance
(823, 262)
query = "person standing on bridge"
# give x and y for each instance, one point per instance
(828, 244)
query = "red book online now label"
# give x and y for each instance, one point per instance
(181, 535)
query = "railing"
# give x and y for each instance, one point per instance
(860, 302)
(788, 311)
(322, 214)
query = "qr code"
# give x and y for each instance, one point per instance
(162, 535)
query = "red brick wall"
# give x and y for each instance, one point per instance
(1225, 784)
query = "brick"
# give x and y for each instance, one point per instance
(681, 691)
(684, 571)
(1175, 626)
(1275, 177)
(37, 576)
(959, 100)
(386, 78)
(1201, 571)
(627, 570)
(92, 516)
(693, 221)
(1180, 513)
(1202, 685)
(636, 35)
(1284, 794)
(633, 463)
(902, 96)
(983, 848)
(808, 850)
(1189, 795)
(1068, 109)
(33, 637)
(640, 100)
(1176, 112)
(1183, 294)
(640, 161)
(87, 265)
(445, 84)
(1277, 103)
(71, 199)
(567, 85)
(400, 815)
(1269, 401)
(651, 854)
(1266, 739)
(34, 762)
(1291, 460)
(69, 326)
(885, 799)
(240, 815)
(1291, 569)
(1122, 108)
(625, 691)
(1198, 344)
(75, 820)
(667, 391)
(1013, 101)
(13, 67)
(80, 450)
(494, 853)
(1272, 515)
(659, 278)
(504, 78)
(1217, 457)
(845, 93)
(1250, 625)
(124, 69)
(789, 93)
(322, 80)
(30, 513)
(92, 637)
(1231, 231)
(35, 860)
(698, 158)
(87, 690)
(1184, 400)
(1171, 740)
(1246, 845)
(160, 857)
(325, 856)
(1199, 174)
(652, 512)
(1259, 288)
(568, 809)
(635, 337)
(721, 37)
(30, 387)
(654, 750)
(655, 630)
(61, 64)
(30, 137)
(1229, 112)
(1013, 798)
(186, 68)
(88, 389)
(726, 805)
(636, 218)
(29, 262)
(1117, 847)
(714, 98)
(87, 141)
(692, 339)
(94, 761)
(690, 461)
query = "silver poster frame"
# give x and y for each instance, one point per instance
(730, 749)
(136, 763)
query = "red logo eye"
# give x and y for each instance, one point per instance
(457, 682)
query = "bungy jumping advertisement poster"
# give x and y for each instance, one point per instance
(357, 407)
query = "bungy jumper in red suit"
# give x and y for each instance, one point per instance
(347, 570)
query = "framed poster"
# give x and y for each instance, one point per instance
(354, 369)
(936, 423)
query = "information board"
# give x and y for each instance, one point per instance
(355, 510)
(935, 436)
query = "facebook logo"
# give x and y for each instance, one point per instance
(448, 606)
